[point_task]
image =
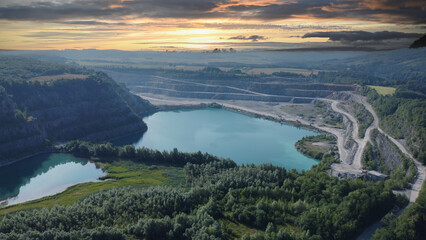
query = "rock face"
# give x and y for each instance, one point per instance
(34, 115)
(391, 157)
(349, 144)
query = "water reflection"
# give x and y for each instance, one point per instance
(44, 175)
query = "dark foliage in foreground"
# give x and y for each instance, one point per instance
(277, 203)
(410, 225)
(421, 42)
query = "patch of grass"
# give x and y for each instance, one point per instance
(383, 90)
(120, 173)
(236, 230)
(315, 146)
(56, 77)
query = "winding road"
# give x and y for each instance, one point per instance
(412, 193)
(356, 162)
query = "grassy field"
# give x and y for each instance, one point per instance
(120, 173)
(383, 90)
(56, 77)
(305, 72)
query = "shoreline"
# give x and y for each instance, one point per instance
(23, 157)
(52, 149)
(241, 111)
(246, 112)
(275, 119)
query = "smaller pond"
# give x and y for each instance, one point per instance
(44, 175)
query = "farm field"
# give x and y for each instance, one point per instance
(383, 90)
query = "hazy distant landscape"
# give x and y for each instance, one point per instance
(212, 120)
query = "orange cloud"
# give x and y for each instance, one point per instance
(160, 23)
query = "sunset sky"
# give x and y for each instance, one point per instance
(207, 24)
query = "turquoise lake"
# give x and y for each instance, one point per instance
(241, 138)
(44, 175)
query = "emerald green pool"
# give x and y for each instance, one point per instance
(44, 175)
(241, 138)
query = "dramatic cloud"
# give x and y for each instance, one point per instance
(110, 9)
(70, 35)
(392, 11)
(352, 36)
(272, 26)
(195, 24)
(253, 38)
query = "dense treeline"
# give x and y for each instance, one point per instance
(274, 202)
(403, 115)
(346, 77)
(108, 150)
(207, 73)
(144, 213)
(322, 207)
(410, 225)
(289, 74)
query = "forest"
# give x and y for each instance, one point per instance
(219, 200)
(19, 69)
(410, 225)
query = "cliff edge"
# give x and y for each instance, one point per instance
(44, 103)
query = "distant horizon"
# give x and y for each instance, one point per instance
(237, 50)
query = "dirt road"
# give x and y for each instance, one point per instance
(412, 193)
